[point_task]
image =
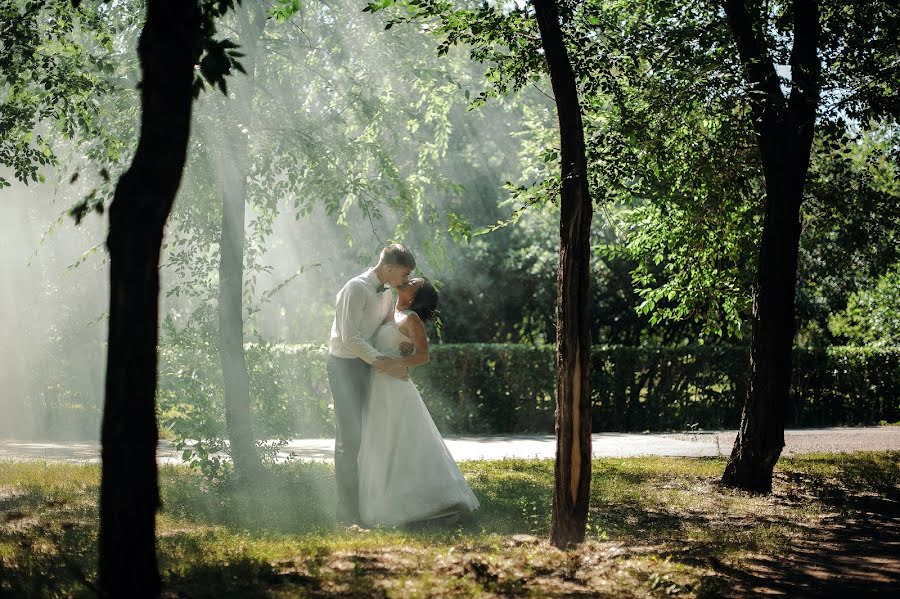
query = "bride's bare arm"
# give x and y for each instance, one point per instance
(415, 330)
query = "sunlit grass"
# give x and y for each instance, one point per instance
(222, 539)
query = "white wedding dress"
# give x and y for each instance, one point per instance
(406, 473)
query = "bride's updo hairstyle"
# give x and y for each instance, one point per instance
(425, 301)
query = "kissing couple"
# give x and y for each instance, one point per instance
(391, 464)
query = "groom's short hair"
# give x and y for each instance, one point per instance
(398, 255)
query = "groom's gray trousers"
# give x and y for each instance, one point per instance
(350, 380)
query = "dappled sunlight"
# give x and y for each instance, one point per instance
(360, 294)
(654, 522)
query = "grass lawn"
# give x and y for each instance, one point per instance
(658, 527)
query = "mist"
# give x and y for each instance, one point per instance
(52, 318)
(356, 136)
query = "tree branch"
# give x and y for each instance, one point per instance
(758, 66)
(805, 64)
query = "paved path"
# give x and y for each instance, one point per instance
(495, 447)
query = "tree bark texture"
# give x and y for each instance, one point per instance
(573, 335)
(129, 492)
(233, 179)
(784, 128)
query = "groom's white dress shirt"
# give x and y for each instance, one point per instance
(359, 312)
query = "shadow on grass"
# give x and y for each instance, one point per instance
(783, 555)
(298, 498)
(48, 540)
(47, 545)
(848, 481)
(515, 496)
(853, 551)
(301, 497)
(188, 570)
(247, 577)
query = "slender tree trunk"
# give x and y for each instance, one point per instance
(233, 179)
(785, 132)
(236, 380)
(573, 333)
(129, 493)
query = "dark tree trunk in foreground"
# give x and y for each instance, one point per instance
(573, 336)
(784, 127)
(233, 179)
(129, 493)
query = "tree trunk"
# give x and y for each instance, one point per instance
(785, 133)
(233, 179)
(761, 436)
(573, 334)
(129, 492)
(236, 380)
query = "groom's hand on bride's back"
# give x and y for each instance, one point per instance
(398, 372)
(391, 366)
(385, 364)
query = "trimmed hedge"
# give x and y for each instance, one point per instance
(505, 388)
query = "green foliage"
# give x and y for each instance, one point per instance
(859, 49)
(219, 59)
(488, 388)
(288, 391)
(854, 385)
(686, 142)
(673, 148)
(507, 388)
(496, 388)
(872, 317)
(189, 389)
(215, 59)
(68, 72)
(851, 222)
(333, 132)
(284, 10)
(56, 64)
(638, 87)
(667, 121)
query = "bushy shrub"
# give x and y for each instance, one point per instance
(288, 392)
(489, 388)
(845, 385)
(506, 388)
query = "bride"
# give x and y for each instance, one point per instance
(406, 473)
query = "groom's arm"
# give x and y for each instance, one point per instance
(350, 305)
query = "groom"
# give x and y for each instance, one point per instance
(363, 303)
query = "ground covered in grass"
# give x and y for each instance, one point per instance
(658, 527)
